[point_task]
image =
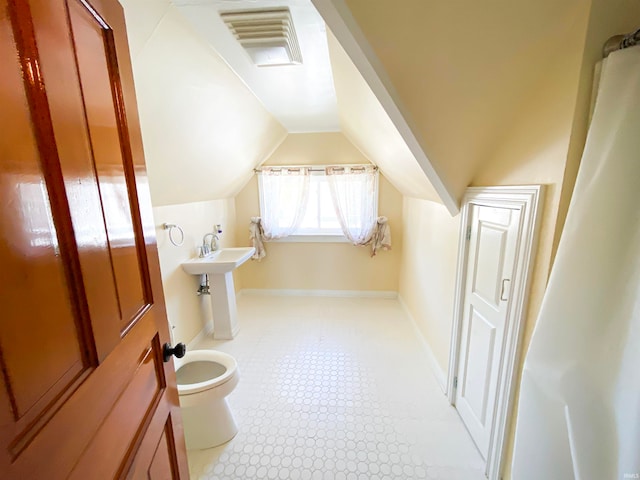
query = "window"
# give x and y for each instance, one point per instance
(320, 215)
(315, 204)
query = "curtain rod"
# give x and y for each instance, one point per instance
(317, 168)
(618, 42)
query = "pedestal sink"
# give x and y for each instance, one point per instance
(219, 266)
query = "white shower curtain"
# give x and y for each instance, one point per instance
(579, 408)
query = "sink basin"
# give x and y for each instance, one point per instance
(220, 261)
(219, 266)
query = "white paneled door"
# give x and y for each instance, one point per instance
(493, 236)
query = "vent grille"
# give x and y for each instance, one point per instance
(267, 35)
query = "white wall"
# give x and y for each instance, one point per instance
(187, 312)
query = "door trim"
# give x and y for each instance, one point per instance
(528, 199)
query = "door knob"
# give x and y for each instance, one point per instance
(179, 350)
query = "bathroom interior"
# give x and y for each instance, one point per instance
(436, 112)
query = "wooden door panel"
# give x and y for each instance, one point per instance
(53, 52)
(85, 392)
(155, 457)
(40, 321)
(96, 57)
(57, 448)
(108, 455)
(160, 466)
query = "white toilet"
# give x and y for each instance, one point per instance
(205, 378)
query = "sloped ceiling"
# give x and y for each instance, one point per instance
(301, 96)
(203, 130)
(365, 123)
(458, 72)
(426, 89)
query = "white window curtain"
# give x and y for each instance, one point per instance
(578, 413)
(284, 193)
(353, 190)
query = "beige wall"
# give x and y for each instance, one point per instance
(460, 93)
(187, 312)
(546, 140)
(366, 124)
(607, 18)
(321, 266)
(507, 120)
(203, 129)
(533, 150)
(427, 278)
(203, 132)
(542, 145)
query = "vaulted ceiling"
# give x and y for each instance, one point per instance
(424, 89)
(452, 75)
(302, 96)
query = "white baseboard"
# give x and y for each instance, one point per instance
(199, 338)
(438, 373)
(319, 293)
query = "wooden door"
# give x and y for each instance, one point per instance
(85, 393)
(491, 262)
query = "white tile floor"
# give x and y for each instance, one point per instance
(335, 388)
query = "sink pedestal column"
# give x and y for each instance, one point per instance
(223, 306)
(219, 265)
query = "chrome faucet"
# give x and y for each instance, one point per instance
(207, 248)
(212, 246)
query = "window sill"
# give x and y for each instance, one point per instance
(312, 239)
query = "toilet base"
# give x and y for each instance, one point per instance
(208, 425)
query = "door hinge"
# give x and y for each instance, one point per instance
(469, 232)
(455, 382)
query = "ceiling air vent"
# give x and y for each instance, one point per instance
(267, 35)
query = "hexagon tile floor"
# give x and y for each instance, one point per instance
(335, 388)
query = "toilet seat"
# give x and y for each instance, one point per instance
(227, 361)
